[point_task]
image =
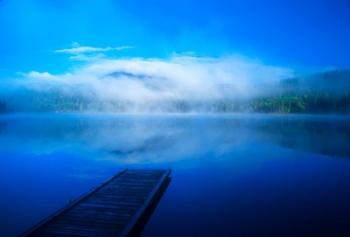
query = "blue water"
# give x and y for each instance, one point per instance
(233, 175)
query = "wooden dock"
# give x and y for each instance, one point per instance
(119, 207)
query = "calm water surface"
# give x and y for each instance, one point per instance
(233, 175)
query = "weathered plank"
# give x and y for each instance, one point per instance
(119, 207)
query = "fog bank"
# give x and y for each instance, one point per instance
(140, 84)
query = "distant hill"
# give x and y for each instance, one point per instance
(330, 81)
(326, 92)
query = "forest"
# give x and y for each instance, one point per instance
(327, 92)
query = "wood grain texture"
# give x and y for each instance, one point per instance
(113, 209)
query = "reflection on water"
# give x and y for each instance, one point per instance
(176, 137)
(257, 166)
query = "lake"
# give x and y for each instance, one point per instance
(232, 175)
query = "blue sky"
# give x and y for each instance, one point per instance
(300, 34)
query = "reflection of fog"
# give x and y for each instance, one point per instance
(135, 139)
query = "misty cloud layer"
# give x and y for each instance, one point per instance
(151, 84)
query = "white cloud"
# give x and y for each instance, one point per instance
(78, 49)
(39, 75)
(150, 83)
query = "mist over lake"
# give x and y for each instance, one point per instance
(245, 169)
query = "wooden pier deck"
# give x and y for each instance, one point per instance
(119, 207)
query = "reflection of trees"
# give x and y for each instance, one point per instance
(323, 136)
(3, 126)
(175, 137)
(3, 107)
